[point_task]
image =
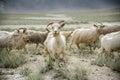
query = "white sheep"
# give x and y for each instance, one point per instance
(110, 42)
(55, 44)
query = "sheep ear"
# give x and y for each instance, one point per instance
(18, 31)
(62, 23)
(24, 30)
(95, 25)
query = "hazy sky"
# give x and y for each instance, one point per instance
(57, 5)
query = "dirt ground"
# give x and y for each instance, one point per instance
(36, 62)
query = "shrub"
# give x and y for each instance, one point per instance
(11, 60)
(77, 74)
(110, 61)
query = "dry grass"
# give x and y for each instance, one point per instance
(109, 61)
(78, 74)
(25, 71)
(12, 60)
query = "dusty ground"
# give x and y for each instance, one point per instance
(37, 62)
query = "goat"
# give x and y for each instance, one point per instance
(55, 44)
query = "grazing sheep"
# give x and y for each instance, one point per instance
(55, 43)
(87, 36)
(16, 40)
(108, 29)
(37, 37)
(110, 42)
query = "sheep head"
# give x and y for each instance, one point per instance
(22, 31)
(99, 27)
(55, 27)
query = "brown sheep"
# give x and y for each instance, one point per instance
(16, 40)
(37, 37)
(108, 29)
(87, 36)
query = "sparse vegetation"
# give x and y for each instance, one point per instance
(109, 61)
(25, 71)
(12, 60)
(36, 77)
(78, 74)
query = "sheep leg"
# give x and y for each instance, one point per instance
(94, 46)
(50, 61)
(64, 57)
(71, 44)
(36, 46)
(90, 47)
(78, 46)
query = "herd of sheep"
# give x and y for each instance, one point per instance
(54, 40)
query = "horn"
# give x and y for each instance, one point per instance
(48, 25)
(62, 23)
(47, 30)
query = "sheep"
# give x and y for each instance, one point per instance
(16, 40)
(87, 36)
(67, 34)
(108, 29)
(55, 44)
(37, 37)
(110, 42)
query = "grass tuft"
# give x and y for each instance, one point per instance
(77, 74)
(25, 71)
(109, 61)
(36, 77)
(11, 60)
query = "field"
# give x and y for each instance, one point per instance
(81, 65)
